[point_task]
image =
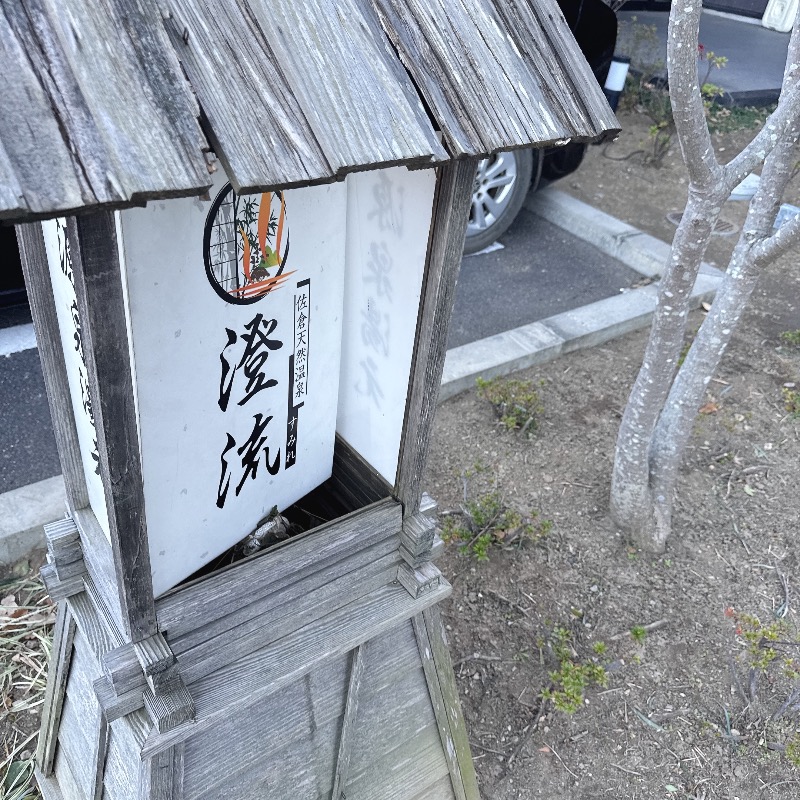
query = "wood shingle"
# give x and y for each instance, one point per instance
(115, 102)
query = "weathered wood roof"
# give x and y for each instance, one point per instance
(114, 102)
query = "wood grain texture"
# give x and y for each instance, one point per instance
(65, 776)
(403, 772)
(323, 84)
(168, 710)
(439, 706)
(445, 248)
(60, 589)
(430, 632)
(497, 74)
(99, 292)
(276, 666)
(353, 480)
(349, 722)
(418, 581)
(99, 559)
(301, 757)
(264, 629)
(198, 603)
(117, 704)
(249, 613)
(122, 668)
(48, 786)
(87, 123)
(82, 730)
(92, 625)
(313, 702)
(124, 772)
(441, 790)
(163, 776)
(48, 340)
(60, 660)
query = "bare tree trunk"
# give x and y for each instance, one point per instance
(660, 414)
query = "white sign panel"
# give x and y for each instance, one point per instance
(235, 316)
(388, 221)
(59, 261)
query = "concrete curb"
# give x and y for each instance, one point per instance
(588, 325)
(24, 511)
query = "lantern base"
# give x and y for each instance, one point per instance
(313, 673)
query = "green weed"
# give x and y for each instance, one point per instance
(573, 676)
(791, 401)
(791, 337)
(759, 639)
(516, 402)
(18, 782)
(487, 522)
(793, 750)
(728, 119)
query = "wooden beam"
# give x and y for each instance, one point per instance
(163, 776)
(48, 339)
(348, 724)
(99, 292)
(280, 664)
(438, 667)
(63, 637)
(445, 248)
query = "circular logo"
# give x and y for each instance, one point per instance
(246, 244)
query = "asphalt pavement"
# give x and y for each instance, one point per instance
(756, 55)
(542, 270)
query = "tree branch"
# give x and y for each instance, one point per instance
(775, 129)
(688, 110)
(785, 237)
(779, 121)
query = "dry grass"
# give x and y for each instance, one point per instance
(26, 620)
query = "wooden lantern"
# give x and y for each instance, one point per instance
(266, 336)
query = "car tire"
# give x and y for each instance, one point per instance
(501, 184)
(563, 161)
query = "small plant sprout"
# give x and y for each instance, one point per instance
(599, 648)
(791, 338)
(638, 634)
(516, 403)
(791, 400)
(793, 750)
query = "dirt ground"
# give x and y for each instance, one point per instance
(687, 710)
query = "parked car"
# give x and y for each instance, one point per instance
(504, 179)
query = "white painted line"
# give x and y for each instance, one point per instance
(16, 339)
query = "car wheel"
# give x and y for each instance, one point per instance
(501, 184)
(563, 161)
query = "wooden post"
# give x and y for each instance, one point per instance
(43, 310)
(99, 292)
(449, 224)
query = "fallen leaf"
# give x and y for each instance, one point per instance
(709, 408)
(749, 490)
(9, 601)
